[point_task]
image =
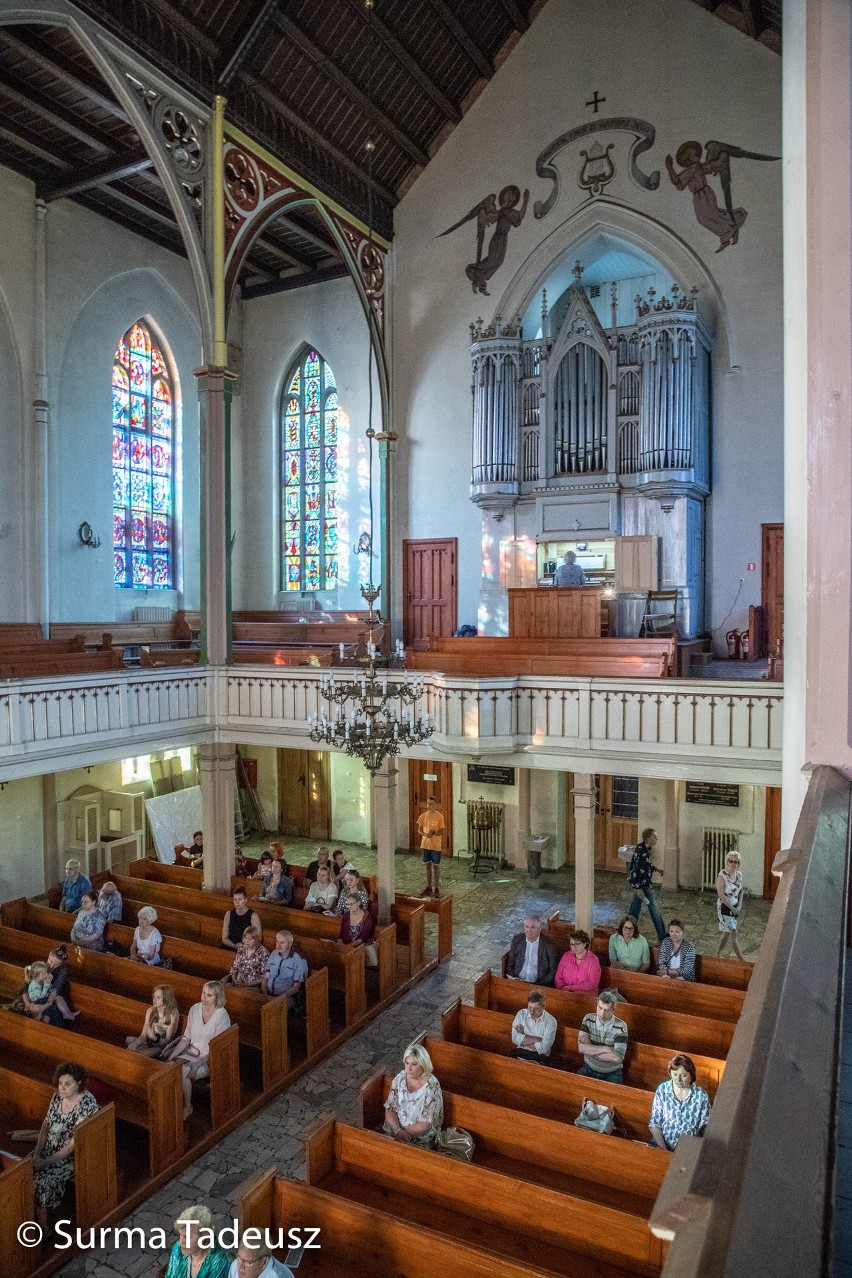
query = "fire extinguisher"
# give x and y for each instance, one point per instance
(733, 638)
(744, 645)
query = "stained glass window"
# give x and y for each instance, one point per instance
(309, 541)
(143, 473)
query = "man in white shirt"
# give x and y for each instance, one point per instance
(256, 1262)
(531, 956)
(533, 1031)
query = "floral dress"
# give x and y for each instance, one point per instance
(50, 1181)
(733, 888)
(249, 966)
(88, 930)
(427, 1103)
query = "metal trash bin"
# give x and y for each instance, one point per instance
(535, 845)
(630, 611)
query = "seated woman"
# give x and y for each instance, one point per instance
(680, 1107)
(279, 885)
(579, 969)
(53, 1160)
(249, 965)
(628, 949)
(414, 1109)
(322, 894)
(352, 882)
(356, 927)
(38, 995)
(195, 1254)
(677, 956)
(205, 1020)
(110, 903)
(194, 854)
(264, 868)
(89, 926)
(160, 1025)
(56, 960)
(145, 946)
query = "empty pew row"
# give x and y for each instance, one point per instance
(329, 634)
(516, 1220)
(492, 665)
(734, 974)
(677, 1031)
(693, 997)
(37, 665)
(176, 633)
(262, 655)
(157, 658)
(262, 1020)
(500, 646)
(548, 1151)
(148, 1094)
(194, 901)
(645, 1064)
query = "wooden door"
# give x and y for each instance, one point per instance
(771, 840)
(430, 780)
(772, 585)
(616, 819)
(430, 603)
(304, 794)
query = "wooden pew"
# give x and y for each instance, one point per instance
(34, 665)
(149, 660)
(385, 1247)
(410, 920)
(119, 635)
(533, 1089)
(259, 655)
(676, 1031)
(284, 633)
(645, 1064)
(543, 1150)
(489, 666)
(17, 1203)
(12, 650)
(148, 1093)
(659, 646)
(514, 1219)
(16, 632)
(443, 908)
(262, 1020)
(733, 974)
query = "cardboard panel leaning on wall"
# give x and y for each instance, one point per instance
(21, 839)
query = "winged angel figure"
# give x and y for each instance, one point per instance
(501, 213)
(726, 222)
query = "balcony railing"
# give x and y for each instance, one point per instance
(730, 731)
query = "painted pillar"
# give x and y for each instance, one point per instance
(386, 439)
(385, 817)
(584, 792)
(215, 391)
(36, 568)
(217, 776)
(817, 97)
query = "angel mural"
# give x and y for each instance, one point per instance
(502, 213)
(726, 222)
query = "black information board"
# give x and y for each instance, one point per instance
(490, 774)
(715, 794)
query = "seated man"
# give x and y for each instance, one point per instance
(257, 1261)
(286, 971)
(533, 1031)
(238, 919)
(531, 956)
(323, 858)
(110, 903)
(76, 883)
(603, 1041)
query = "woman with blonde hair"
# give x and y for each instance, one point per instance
(729, 904)
(38, 995)
(145, 947)
(414, 1109)
(205, 1020)
(160, 1025)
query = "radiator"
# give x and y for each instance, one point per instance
(717, 844)
(153, 614)
(487, 839)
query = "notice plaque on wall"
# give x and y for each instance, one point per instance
(490, 774)
(715, 794)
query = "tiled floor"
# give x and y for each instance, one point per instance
(487, 912)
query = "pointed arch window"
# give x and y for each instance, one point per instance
(143, 463)
(309, 442)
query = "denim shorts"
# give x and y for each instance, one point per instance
(431, 856)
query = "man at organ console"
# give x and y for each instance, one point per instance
(569, 572)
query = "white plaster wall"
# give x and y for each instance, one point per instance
(351, 800)
(267, 779)
(749, 819)
(21, 842)
(704, 81)
(275, 329)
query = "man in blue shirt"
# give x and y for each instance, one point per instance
(76, 883)
(286, 971)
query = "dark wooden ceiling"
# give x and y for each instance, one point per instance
(312, 80)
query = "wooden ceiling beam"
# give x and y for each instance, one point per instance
(515, 14)
(414, 69)
(248, 41)
(19, 137)
(139, 203)
(112, 169)
(753, 17)
(375, 114)
(280, 250)
(462, 39)
(326, 246)
(27, 45)
(50, 112)
(284, 284)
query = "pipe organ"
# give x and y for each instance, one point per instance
(588, 408)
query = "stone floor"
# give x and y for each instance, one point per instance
(488, 910)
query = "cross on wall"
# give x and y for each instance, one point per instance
(595, 101)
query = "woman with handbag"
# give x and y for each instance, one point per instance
(729, 904)
(160, 1025)
(205, 1020)
(680, 1107)
(322, 894)
(414, 1109)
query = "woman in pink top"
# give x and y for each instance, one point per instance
(579, 969)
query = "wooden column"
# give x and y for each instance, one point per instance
(217, 776)
(583, 793)
(385, 817)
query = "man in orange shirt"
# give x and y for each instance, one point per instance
(431, 826)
